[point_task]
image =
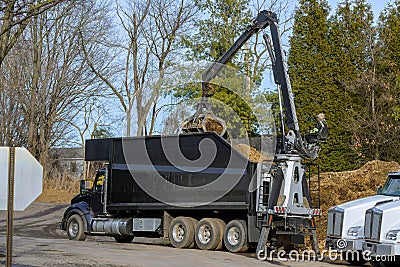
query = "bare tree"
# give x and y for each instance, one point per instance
(151, 29)
(15, 16)
(170, 19)
(258, 52)
(135, 65)
(90, 121)
(12, 124)
(53, 81)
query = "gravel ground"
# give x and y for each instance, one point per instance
(38, 241)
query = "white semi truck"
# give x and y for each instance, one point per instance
(345, 229)
(382, 229)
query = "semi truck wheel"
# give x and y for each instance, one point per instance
(181, 232)
(195, 222)
(222, 226)
(75, 229)
(208, 234)
(375, 263)
(123, 238)
(350, 258)
(235, 236)
(390, 263)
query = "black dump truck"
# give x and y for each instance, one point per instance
(117, 205)
(195, 188)
(123, 204)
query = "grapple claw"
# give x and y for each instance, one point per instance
(204, 121)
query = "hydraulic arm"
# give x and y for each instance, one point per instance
(263, 20)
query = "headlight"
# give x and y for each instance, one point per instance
(392, 235)
(353, 231)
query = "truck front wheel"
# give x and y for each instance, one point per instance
(235, 236)
(181, 232)
(123, 238)
(75, 229)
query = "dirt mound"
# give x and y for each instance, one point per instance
(340, 187)
(251, 153)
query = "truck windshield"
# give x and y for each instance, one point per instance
(391, 187)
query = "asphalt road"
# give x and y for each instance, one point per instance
(39, 242)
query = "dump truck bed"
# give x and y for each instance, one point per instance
(163, 172)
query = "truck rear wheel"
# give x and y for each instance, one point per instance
(123, 238)
(235, 236)
(75, 229)
(222, 226)
(195, 222)
(181, 232)
(208, 234)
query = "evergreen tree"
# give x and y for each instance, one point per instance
(223, 22)
(352, 38)
(389, 39)
(312, 69)
(388, 72)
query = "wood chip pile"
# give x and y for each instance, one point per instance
(251, 153)
(340, 187)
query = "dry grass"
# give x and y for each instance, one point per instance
(59, 188)
(63, 182)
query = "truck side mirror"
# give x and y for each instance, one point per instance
(85, 186)
(378, 189)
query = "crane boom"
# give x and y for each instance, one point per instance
(264, 19)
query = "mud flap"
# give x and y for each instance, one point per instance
(263, 240)
(314, 242)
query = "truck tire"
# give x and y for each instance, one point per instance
(208, 234)
(195, 222)
(354, 260)
(123, 238)
(390, 263)
(181, 232)
(375, 263)
(75, 228)
(222, 226)
(235, 236)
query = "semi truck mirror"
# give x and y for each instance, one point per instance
(378, 189)
(85, 186)
(82, 187)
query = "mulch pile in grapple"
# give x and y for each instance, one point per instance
(212, 125)
(340, 187)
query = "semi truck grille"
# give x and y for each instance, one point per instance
(335, 222)
(373, 221)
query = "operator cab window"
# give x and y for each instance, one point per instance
(98, 183)
(392, 187)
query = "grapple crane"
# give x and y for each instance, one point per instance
(288, 196)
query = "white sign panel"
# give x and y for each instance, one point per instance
(28, 178)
